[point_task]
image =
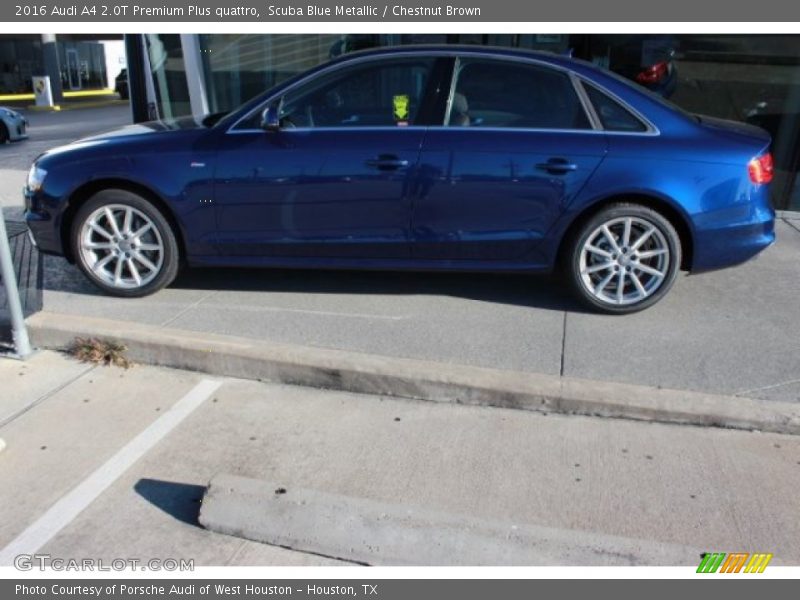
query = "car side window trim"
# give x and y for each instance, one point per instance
(442, 54)
(453, 81)
(337, 128)
(588, 107)
(456, 57)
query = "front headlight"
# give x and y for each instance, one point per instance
(36, 178)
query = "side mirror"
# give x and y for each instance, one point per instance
(270, 121)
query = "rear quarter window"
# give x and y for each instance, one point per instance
(613, 115)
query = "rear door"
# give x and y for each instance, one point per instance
(516, 147)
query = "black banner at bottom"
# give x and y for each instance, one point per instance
(389, 589)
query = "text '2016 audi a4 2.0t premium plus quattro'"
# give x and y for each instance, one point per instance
(452, 158)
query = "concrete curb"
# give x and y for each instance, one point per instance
(409, 378)
(379, 533)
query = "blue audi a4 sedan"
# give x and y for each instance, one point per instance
(452, 158)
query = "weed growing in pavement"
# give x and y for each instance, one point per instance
(102, 352)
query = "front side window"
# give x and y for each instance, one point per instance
(388, 93)
(492, 93)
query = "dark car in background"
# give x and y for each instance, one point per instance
(121, 84)
(649, 60)
(456, 158)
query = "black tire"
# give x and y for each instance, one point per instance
(656, 287)
(3, 133)
(170, 254)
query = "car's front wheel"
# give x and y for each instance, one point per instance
(623, 259)
(124, 244)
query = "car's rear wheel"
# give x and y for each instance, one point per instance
(124, 245)
(3, 133)
(623, 259)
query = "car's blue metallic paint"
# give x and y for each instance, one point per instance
(469, 198)
(305, 193)
(481, 196)
(156, 158)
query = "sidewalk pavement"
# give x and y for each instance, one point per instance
(731, 333)
(580, 490)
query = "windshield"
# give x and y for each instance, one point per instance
(213, 118)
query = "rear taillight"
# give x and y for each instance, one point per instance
(654, 73)
(760, 168)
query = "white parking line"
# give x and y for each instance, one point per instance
(73, 503)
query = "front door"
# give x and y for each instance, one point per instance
(333, 181)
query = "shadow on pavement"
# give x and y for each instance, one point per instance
(61, 276)
(179, 500)
(6, 339)
(534, 291)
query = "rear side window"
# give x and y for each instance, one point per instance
(492, 93)
(613, 116)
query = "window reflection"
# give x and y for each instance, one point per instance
(749, 78)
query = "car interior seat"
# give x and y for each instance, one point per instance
(459, 111)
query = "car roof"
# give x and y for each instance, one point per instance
(563, 61)
(461, 49)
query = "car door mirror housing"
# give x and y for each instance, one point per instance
(270, 121)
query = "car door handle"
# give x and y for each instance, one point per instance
(386, 162)
(557, 165)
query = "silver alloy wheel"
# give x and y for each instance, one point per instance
(624, 261)
(122, 246)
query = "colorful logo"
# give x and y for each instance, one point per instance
(400, 106)
(734, 562)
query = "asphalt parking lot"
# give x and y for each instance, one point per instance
(48, 130)
(732, 332)
(107, 463)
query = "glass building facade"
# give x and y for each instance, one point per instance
(20, 60)
(749, 78)
(82, 64)
(168, 71)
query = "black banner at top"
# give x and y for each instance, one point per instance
(265, 11)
